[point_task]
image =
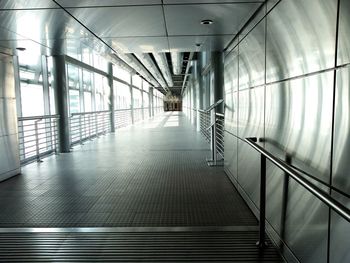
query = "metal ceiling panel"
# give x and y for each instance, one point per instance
(86, 3)
(228, 18)
(29, 45)
(122, 21)
(8, 35)
(167, 2)
(42, 24)
(25, 4)
(208, 43)
(139, 44)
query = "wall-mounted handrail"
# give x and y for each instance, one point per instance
(325, 197)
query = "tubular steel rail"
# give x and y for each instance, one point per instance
(213, 132)
(122, 118)
(219, 133)
(38, 136)
(158, 110)
(88, 125)
(322, 195)
(138, 114)
(204, 123)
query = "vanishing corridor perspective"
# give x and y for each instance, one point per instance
(175, 131)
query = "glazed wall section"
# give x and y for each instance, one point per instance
(9, 155)
(287, 80)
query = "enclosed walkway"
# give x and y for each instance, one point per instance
(152, 174)
(142, 194)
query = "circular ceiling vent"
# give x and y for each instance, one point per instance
(207, 22)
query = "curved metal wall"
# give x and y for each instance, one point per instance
(9, 151)
(280, 85)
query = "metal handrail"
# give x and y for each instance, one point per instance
(88, 113)
(325, 197)
(32, 118)
(127, 109)
(213, 106)
(88, 125)
(202, 111)
(214, 131)
(31, 136)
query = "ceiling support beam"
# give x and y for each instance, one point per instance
(148, 63)
(138, 67)
(176, 60)
(186, 73)
(164, 67)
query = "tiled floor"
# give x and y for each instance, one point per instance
(151, 174)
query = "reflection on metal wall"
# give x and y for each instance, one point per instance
(300, 38)
(9, 155)
(279, 86)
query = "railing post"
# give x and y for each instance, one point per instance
(37, 142)
(96, 124)
(261, 243)
(90, 134)
(213, 143)
(56, 135)
(80, 130)
(53, 121)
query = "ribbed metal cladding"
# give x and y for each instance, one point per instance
(228, 246)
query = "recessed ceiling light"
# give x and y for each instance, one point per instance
(198, 44)
(21, 48)
(207, 22)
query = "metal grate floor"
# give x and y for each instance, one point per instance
(231, 246)
(151, 174)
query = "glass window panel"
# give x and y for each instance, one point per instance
(87, 102)
(51, 87)
(137, 81)
(31, 56)
(32, 98)
(27, 75)
(98, 83)
(99, 102)
(73, 77)
(121, 73)
(106, 93)
(145, 100)
(137, 98)
(145, 86)
(74, 101)
(100, 62)
(86, 54)
(122, 95)
(52, 101)
(87, 80)
(72, 49)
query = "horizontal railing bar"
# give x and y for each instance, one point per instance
(89, 113)
(326, 198)
(33, 118)
(220, 140)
